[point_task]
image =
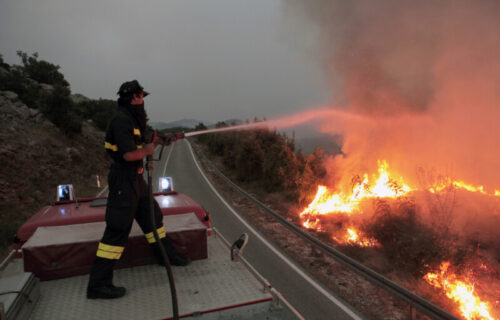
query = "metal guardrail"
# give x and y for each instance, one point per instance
(6, 261)
(414, 301)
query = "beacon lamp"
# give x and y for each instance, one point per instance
(65, 192)
(165, 184)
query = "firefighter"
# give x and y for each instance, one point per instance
(128, 193)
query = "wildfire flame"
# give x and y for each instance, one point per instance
(383, 186)
(325, 202)
(356, 237)
(458, 184)
(460, 291)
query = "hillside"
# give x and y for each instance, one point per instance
(186, 123)
(36, 156)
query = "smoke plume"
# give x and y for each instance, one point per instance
(427, 74)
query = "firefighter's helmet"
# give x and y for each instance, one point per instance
(131, 87)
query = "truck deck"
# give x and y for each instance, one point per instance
(214, 288)
(46, 275)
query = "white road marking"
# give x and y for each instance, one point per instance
(102, 191)
(272, 248)
(168, 157)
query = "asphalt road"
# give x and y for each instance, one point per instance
(311, 299)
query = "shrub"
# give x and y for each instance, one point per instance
(3, 64)
(410, 245)
(42, 71)
(57, 106)
(99, 111)
(266, 157)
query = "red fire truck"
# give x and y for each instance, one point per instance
(46, 275)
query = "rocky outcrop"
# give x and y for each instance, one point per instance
(14, 111)
(78, 98)
(36, 155)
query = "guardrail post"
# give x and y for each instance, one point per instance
(413, 311)
(2, 312)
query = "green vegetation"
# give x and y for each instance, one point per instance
(99, 111)
(42, 71)
(40, 85)
(268, 159)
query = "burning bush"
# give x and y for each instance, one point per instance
(410, 245)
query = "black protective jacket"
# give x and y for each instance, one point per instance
(124, 135)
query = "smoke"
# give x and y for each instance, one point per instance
(426, 72)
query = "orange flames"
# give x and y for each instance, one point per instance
(460, 291)
(326, 203)
(384, 185)
(380, 187)
(464, 186)
(355, 237)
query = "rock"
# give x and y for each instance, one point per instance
(3, 71)
(39, 118)
(44, 123)
(9, 110)
(46, 87)
(19, 104)
(23, 111)
(77, 98)
(33, 112)
(3, 101)
(10, 95)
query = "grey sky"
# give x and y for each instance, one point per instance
(208, 60)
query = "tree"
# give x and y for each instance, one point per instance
(3, 64)
(200, 126)
(99, 111)
(58, 108)
(42, 71)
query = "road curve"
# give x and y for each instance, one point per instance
(310, 298)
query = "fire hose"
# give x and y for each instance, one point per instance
(163, 140)
(153, 136)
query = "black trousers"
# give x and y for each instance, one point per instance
(128, 199)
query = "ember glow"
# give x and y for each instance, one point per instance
(355, 237)
(461, 291)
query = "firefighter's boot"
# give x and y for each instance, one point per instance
(105, 292)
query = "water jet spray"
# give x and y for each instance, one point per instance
(287, 121)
